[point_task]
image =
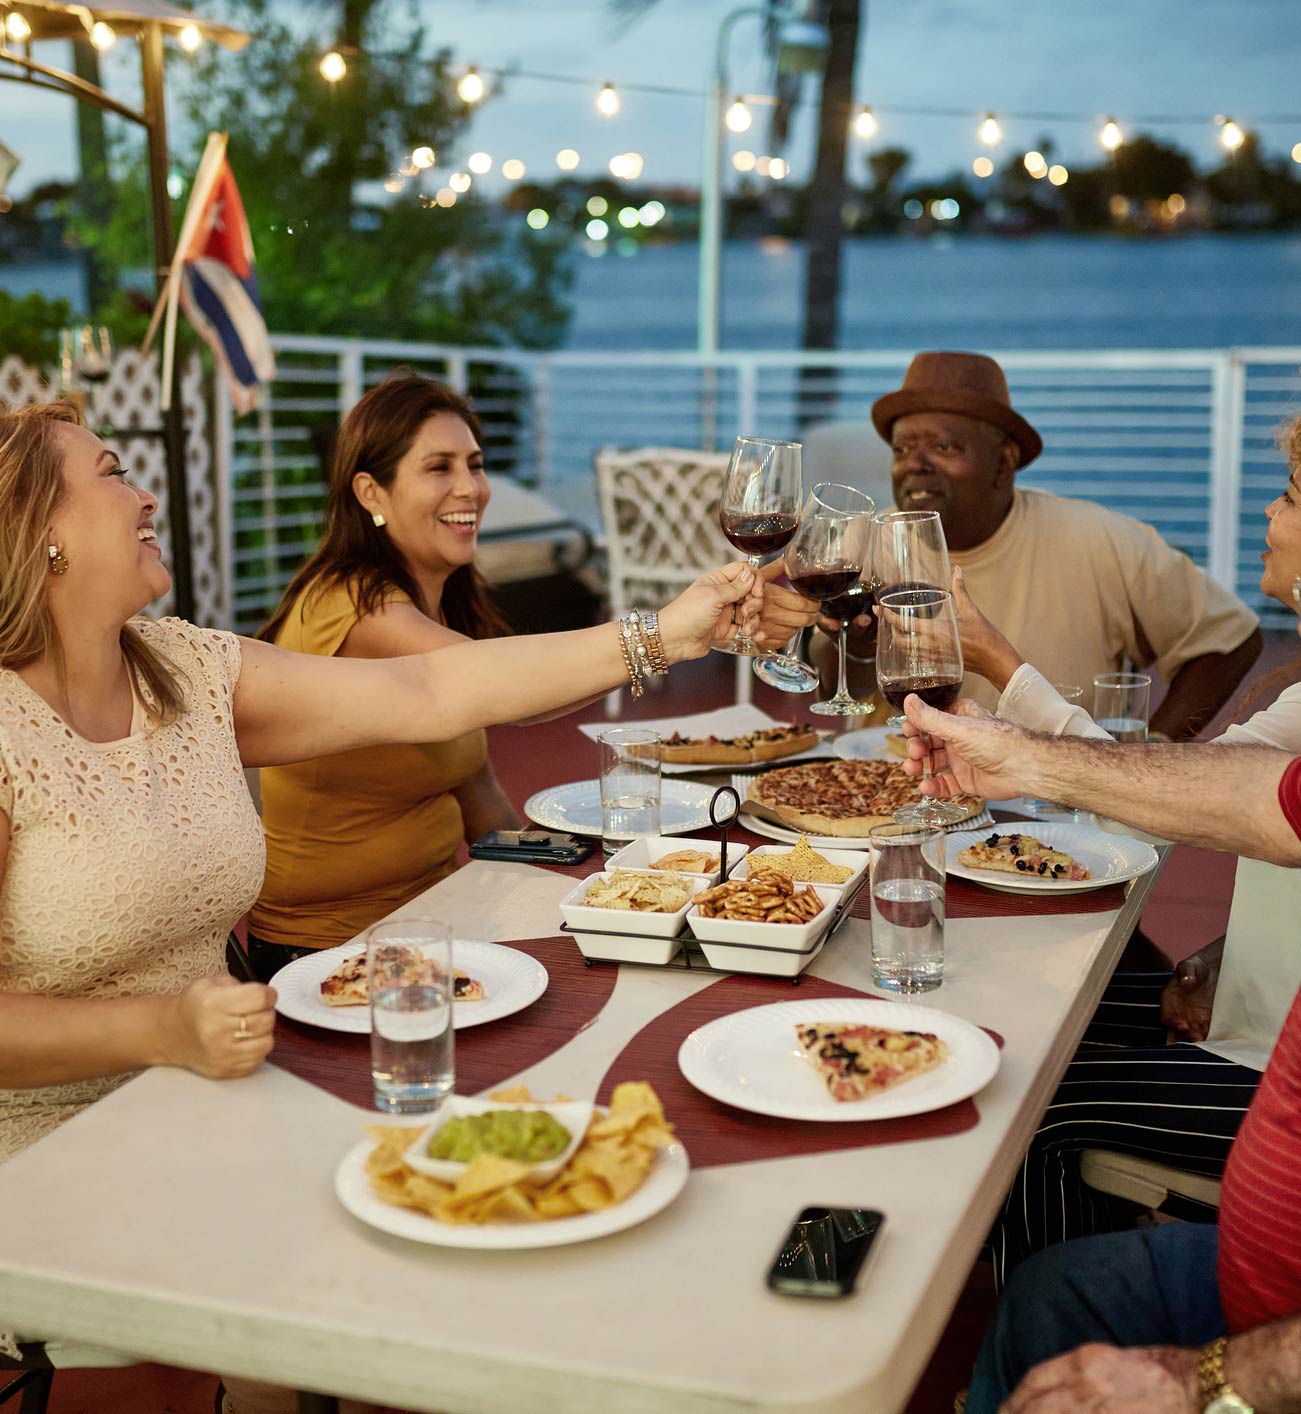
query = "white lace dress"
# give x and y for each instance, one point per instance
(129, 861)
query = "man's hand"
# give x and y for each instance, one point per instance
(1100, 1379)
(1188, 996)
(783, 610)
(972, 752)
(985, 651)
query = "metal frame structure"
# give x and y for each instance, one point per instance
(146, 21)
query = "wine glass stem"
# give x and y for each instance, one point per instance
(842, 671)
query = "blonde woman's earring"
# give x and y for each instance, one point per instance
(378, 518)
(58, 564)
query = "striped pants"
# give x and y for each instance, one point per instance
(1129, 1092)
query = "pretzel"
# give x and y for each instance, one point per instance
(768, 898)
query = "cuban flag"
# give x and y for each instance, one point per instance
(212, 279)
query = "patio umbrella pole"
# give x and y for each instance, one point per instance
(178, 501)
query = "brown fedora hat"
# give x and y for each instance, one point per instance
(965, 383)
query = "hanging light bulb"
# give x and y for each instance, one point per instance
(102, 36)
(1231, 135)
(1058, 175)
(17, 28)
(1035, 164)
(566, 159)
(779, 168)
(1111, 136)
(738, 117)
(479, 163)
(471, 86)
(190, 39)
(513, 169)
(983, 167)
(989, 132)
(607, 101)
(865, 125)
(460, 182)
(333, 66)
(423, 158)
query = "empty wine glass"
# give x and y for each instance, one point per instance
(826, 561)
(759, 510)
(918, 650)
(910, 551)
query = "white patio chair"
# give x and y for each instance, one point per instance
(659, 506)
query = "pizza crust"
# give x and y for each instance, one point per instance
(765, 745)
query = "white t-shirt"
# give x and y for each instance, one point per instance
(1261, 970)
(1081, 590)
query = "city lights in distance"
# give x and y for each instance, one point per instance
(597, 230)
(597, 206)
(1035, 164)
(779, 168)
(537, 219)
(744, 160)
(607, 101)
(445, 197)
(333, 66)
(102, 36)
(990, 132)
(513, 169)
(470, 87)
(738, 117)
(423, 158)
(865, 125)
(189, 38)
(16, 27)
(567, 159)
(1231, 135)
(945, 209)
(479, 163)
(1058, 175)
(460, 181)
(627, 166)
(1296, 153)
(629, 218)
(983, 167)
(652, 213)
(913, 209)
(1111, 136)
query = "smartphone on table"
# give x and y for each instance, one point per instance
(531, 847)
(825, 1251)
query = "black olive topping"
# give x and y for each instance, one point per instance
(1021, 864)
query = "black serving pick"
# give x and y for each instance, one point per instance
(725, 823)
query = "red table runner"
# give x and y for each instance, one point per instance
(485, 1055)
(715, 1133)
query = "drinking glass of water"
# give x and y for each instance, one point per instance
(630, 785)
(1120, 704)
(412, 1044)
(907, 882)
(1074, 694)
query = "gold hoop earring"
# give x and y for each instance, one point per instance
(379, 519)
(58, 563)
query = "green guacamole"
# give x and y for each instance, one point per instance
(530, 1136)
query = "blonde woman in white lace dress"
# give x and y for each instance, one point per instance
(128, 843)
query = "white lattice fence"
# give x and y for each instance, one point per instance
(129, 399)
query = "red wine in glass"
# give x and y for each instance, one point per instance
(758, 535)
(934, 692)
(855, 601)
(826, 582)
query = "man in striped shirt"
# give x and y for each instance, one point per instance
(1180, 1318)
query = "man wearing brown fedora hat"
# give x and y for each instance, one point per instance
(1078, 588)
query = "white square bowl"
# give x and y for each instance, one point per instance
(616, 947)
(644, 852)
(770, 962)
(626, 920)
(773, 937)
(855, 859)
(575, 1115)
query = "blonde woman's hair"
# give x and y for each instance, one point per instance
(31, 487)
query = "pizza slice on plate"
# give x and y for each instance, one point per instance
(1023, 854)
(767, 744)
(346, 985)
(858, 1062)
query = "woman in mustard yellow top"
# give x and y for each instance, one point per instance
(351, 837)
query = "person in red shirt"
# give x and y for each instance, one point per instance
(1181, 1317)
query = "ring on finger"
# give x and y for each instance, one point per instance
(242, 1033)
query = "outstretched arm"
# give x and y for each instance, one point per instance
(294, 706)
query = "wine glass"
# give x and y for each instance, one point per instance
(94, 356)
(918, 650)
(759, 510)
(825, 561)
(911, 551)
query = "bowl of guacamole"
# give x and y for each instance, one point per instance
(542, 1136)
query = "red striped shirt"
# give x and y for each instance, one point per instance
(1260, 1207)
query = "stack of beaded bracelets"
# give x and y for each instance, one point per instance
(643, 649)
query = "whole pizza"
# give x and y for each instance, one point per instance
(765, 745)
(846, 798)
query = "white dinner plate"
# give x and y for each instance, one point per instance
(866, 744)
(576, 807)
(774, 831)
(662, 1185)
(511, 981)
(1111, 859)
(750, 1059)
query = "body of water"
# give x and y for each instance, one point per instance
(977, 292)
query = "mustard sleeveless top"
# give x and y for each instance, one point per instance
(353, 836)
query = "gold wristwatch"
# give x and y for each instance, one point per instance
(1220, 1396)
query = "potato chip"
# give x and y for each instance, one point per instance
(631, 891)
